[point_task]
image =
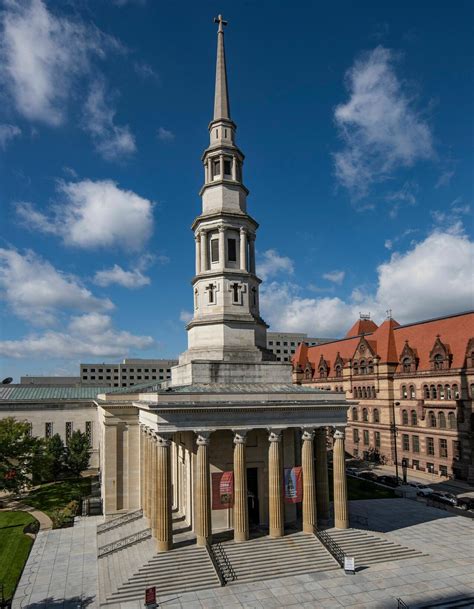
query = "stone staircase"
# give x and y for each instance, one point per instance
(369, 549)
(181, 570)
(126, 572)
(265, 558)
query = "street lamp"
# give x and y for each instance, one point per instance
(394, 431)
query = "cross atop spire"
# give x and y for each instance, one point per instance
(220, 20)
(221, 99)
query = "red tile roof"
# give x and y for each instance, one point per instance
(362, 326)
(389, 339)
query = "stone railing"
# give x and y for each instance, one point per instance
(123, 543)
(118, 522)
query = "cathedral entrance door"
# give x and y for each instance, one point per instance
(252, 495)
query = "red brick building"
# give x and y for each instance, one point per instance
(420, 376)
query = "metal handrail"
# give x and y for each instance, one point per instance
(401, 604)
(220, 560)
(329, 543)
(117, 522)
(123, 543)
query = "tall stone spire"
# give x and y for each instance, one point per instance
(226, 336)
(221, 99)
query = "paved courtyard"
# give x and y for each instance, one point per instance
(63, 566)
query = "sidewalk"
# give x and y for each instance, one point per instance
(45, 522)
(458, 486)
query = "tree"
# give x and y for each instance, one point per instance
(55, 456)
(78, 452)
(21, 455)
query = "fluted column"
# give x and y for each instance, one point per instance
(222, 247)
(163, 498)
(241, 513)
(275, 484)
(322, 479)
(204, 263)
(197, 239)
(252, 254)
(243, 249)
(341, 512)
(148, 473)
(142, 467)
(153, 483)
(309, 491)
(202, 497)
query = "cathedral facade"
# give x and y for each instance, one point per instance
(230, 441)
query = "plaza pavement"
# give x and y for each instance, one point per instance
(62, 569)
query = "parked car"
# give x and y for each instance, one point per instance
(352, 471)
(465, 503)
(422, 489)
(445, 498)
(368, 476)
(390, 480)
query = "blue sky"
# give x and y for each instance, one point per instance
(356, 123)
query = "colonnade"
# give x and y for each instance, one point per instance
(156, 494)
(246, 249)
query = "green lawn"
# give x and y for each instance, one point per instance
(14, 548)
(357, 488)
(57, 495)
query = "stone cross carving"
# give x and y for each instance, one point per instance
(220, 20)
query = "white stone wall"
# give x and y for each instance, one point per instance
(38, 414)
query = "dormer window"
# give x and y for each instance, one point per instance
(406, 364)
(338, 371)
(438, 362)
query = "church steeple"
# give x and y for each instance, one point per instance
(226, 324)
(221, 98)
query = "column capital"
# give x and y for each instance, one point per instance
(163, 439)
(222, 228)
(240, 436)
(243, 230)
(339, 434)
(275, 435)
(307, 434)
(203, 437)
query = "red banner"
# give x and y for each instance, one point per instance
(150, 596)
(293, 490)
(222, 490)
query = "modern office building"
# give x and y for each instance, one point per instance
(284, 344)
(128, 373)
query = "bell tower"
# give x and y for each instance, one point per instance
(226, 325)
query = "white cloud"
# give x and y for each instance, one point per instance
(7, 133)
(165, 135)
(432, 278)
(94, 215)
(34, 290)
(91, 335)
(144, 70)
(185, 316)
(111, 141)
(445, 178)
(406, 195)
(335, 276)
(380, 128)
(388, 244)
(117, 275)
(42, 55)
(271, 263)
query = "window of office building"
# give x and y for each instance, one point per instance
(405, 442)
(443, 447)
(68, 431)
(430, 446)
(48, 430)
(89, 432)
(377, 439)
(366, 437)
(415, 442)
